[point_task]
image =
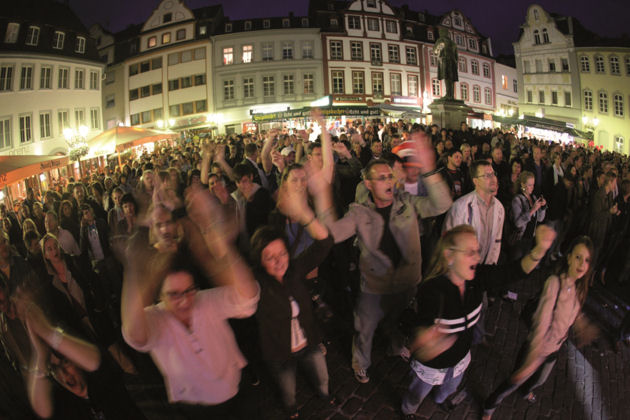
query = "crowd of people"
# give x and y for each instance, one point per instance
(221, 258)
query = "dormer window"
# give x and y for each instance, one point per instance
(266, 24)
(58, 38)
(12, 33)
(167, 17)
(286, 23)
(334, 22)
(166, 38)
(248, 25)
(371, 3)
(305, 22)
(354, 22)
(152, 42)
(228, 27)
(202, 30)
(430, 36)
(181, 33)
(32, 35)
(80, 46)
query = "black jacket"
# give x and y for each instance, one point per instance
(439, 299)
(274, 307)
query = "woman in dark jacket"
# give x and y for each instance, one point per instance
(449, 306)
(288, 333)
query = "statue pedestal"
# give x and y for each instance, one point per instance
(449, 113)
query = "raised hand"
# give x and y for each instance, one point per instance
(545, 236)
(424, 151)
(294, 205)
(341, 150)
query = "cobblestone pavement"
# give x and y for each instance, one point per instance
(591, 383)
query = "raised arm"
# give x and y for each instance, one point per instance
(327, 152)
(206, 160)
(265, 155)
(439, 200)
(141, 280)
(229, 268)
(219, 157)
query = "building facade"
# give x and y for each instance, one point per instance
(50, 80)
(476, 72)
(506, 87)
(368, 59)
(570, 74)
(264, 65)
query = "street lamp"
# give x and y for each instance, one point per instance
(77, 144)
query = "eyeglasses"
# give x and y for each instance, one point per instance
(177, 296)
(383, 178)
(468, 252)
(489, 175)
(272, 258)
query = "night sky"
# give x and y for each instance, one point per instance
(499, 19)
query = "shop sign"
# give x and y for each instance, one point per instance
(406, 100)
(249, 127)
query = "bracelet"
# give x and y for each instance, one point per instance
(55, 340)
(433, 172)
(311, 221)
(532, 257)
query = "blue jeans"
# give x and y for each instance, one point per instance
(312, 361)
(370, 310)
(418, 390)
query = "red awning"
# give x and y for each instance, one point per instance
(16, 168)
(118, 139)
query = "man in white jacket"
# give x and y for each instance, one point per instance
(482, 210)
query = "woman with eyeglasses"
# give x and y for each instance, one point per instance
(289, 336)
(187, 333)
(449, 306)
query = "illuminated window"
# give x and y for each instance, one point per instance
(247, 53)
(166, 38)
(228, 56)
(152, 42)
(504, 81)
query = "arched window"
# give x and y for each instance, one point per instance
(618, 105)
(474, 67)
(463, 65)
(536, 37)
(619, 144)
(536, 14)
(463, 90)
(603, 102)
(614, 65)
(599, 64)
(588, 100)
(545, 36)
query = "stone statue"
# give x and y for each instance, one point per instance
(446, 52)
